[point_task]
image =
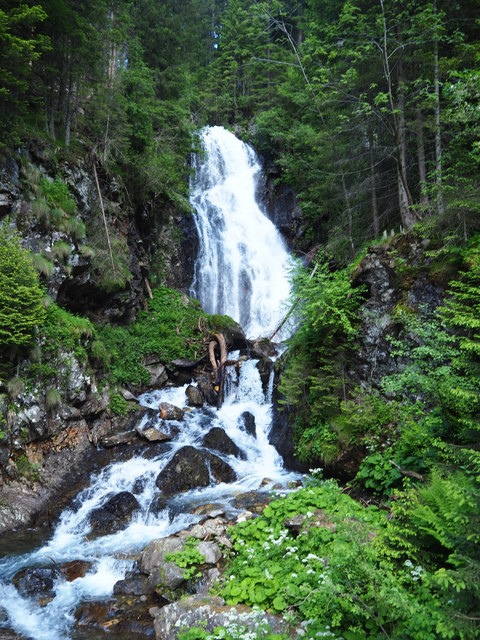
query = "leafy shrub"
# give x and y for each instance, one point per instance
(118, 405)
(57, 194)
(188, 558)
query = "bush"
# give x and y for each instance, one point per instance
(21, 308)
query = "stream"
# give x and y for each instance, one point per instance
(241, 271)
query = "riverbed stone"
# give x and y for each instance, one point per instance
(210, 550)
(194, 396)
(114, 514)
(207, 388)
(264, 368)
(115, 439)
(218, 440)
(74, 569)
(153, 554)
(169, 411)
(36, 581)
(247, 423)
(190, 468)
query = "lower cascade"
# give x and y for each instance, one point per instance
(45, 592)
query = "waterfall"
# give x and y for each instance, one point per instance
(241, 271)
(242, 265)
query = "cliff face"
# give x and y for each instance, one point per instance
(63, 216)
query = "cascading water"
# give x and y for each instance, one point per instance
(109, 557)
(242, 266)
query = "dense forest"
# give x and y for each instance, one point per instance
(370, 111)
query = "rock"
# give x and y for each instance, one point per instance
(247, 423)
(124, 618)
(211, 527)
(128, 395)
(254, 501)
(114, 514)
(152, 434)
(190, 468)
(134, 584)
(235, 336)
(262, 348)
(194, 396)
(158, 504)
(210, 612)
(169, 411)
(114, 439)
(36, 582)
(210, 550)
(264, 368)
(210, 510)
(207, 388)
(152, 556)
(74, 569)
(218, 440)
(163, 576)
(158, 375)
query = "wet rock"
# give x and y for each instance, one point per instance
(153, 555)
(36, 582)
(209, 612)
(194, 396)
(74, 569)
(190, 468)
(128, 395)
(158, 504)
(152, 434)
(235, 336)
(218, 440)
(169, 411)
(262, 348)
(254, 501)
(207, 388)
(114, 514)
(209, 510)
(247, 423)
(264, 367)
(124, 618)
(134, 584)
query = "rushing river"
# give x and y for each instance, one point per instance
(241, 271)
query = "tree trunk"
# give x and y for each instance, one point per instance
(436, 109)
(373, 182)
(68, 115)
(422, 166)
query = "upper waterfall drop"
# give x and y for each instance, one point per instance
(242, 264)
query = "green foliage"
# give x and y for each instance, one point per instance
(188, 558)
(65, 331)
(61, 250)
(21, 309)
(43, 265)
(26, 468)
(15, 387)
(314, 378)
(169, 329)
(57, 194)
(336, 576)
(118, 405)
(53, 399)
(236, 630)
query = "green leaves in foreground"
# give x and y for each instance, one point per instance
(340, 577)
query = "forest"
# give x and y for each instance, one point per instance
(369, 110)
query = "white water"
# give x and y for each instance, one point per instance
(110, 555)
(243, 264)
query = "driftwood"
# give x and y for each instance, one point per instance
(218, 366)
(406, 472)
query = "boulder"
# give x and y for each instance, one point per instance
(158, 374)
(194, 396)
(190, 468)
(114, 439)
(152, 434)
(247, 423)
(134, 584)
(210, 612)
(114, 514)
(169, 411)
(207, 388)
(74, 569)
(36, 582)
(264, 367)
(218, 440)
(262, 348)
